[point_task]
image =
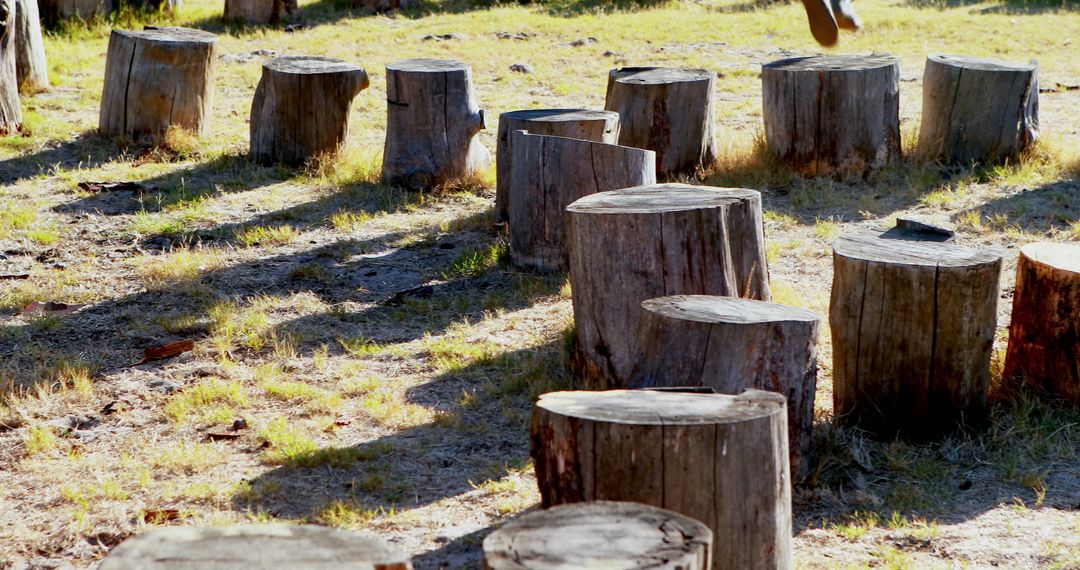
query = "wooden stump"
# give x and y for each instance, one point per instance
(549, 174)
(157, 78)
(431, 124)
(600, 534)
(669, 111)
(833, 115)
(31, 68)
(10, 111)
(978, 110)
(1044, 336)
(52, 12)
(639, 243)
(260, 11)
(717, 458)
(912, 321)
(301, 108)
(277, 546)
(731, 345)
(600, 126)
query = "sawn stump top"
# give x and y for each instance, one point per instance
(646, 407)
(428, 65)
(981, 64)
(834, 63)
(727, 310)
(169, 34)
(906, 248)
(660, 198)
(659, 75)
(309, 64)
(1060, 256)
(559, 115)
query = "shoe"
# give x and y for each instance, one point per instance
(844, 12)
(822, 23)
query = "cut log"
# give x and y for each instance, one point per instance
(669, 111)
(600, 126)
(912, 319)
(260, 11)
(978, 110)
(431, 124)
(639, 243)
(552, 172)
(833, 115)
(53, 12)
(157, 78)
(279, 546)
(731, 345)
(10, 111)
(31, 68)
(1044, 336)
(301, 108)
(600, 534)
(716, 458)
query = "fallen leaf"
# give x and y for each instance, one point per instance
(342, 423)
(159, 516)
(111, 186)
(167, 350)
(51, 308)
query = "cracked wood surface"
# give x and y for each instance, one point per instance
(31, 67)
(10, 111)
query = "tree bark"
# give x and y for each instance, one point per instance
(1044, 335)
(253, 546)
(552, 172)
(669, 111)
(10, 111)
(978, 110)
(600, 126)
(833, 115)
(31, 68)
(431, 124)
(639, 243)
(731, 345)
(912, 325)
(301, 108)
(157, 78)
(260, 11)
(717, 458)
(52, 12)
(600, 534)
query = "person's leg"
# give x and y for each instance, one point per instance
(822, 23)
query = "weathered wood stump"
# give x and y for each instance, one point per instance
(31, 68)
(600, 534)
(260, 11)
(1044, 335)
(833, 115)
(912, 319)
(157, 78)
(552, 172)
(669, 111)
(431, 124)
(600, 126)
(277, 546)
(54, 11)
(301, 108)
(978, 110)
(717, 458)
(639, 243)
(731, 345)
(10, 111)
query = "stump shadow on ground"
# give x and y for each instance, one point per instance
(84, 150)
(1001, 6)
(1053, 207)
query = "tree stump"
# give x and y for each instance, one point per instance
(31, 68)
(731, 345)
(833, 115)
(431, 124)
(717, 458)
(53, 12)
(978, 110)
(549, 174)
(1044, 336)
(301, 108)
(260, 11)
(10, 111)
(600, 534)
(669, 111)
(157, 78)
(639, 243)
(600, 126)
(912, 321)
(277, 546)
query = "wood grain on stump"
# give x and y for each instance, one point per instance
(912, 325)
(669, 111)
(978, 110)
(431, 124)
(552, 172)
(731, 345)
(584, 124)
(54, 11)
(600, 534)
(31, 68)
(157, 78)
(639, 243)
(260, 11)
(10, 111)
(255, 547)
(833, 115)
(301, 108)
(717, 458)
(1044, 336)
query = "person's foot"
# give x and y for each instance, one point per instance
(845, 15)
(822, 23)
